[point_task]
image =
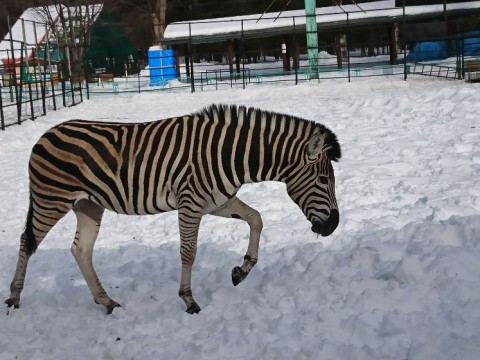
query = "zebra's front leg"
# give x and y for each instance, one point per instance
(89, 217)
(237, 209)
(189, 222)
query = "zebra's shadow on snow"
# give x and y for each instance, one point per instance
(384, 265)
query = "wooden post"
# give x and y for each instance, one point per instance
(177, 60)
(237, 55)
(296, 57)
(285, 53)
(187, 61)
(393, 44)
(338, 51)
(230, 55)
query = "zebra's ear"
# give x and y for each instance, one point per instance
(315, 144)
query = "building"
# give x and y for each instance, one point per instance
(31, 46)
(385, 24)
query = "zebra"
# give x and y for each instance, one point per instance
(194, 164)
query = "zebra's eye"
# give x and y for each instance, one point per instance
(322, 180)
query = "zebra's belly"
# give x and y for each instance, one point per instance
(143, 201)
(140, 203)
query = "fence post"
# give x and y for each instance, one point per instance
(14, 74)
(86, 78)
(35, 56)
(243, 57)
(461, 74)
(404, 46)
(63, 92)
(348, 48)
(43, 86)
(52, 85)
(2, 118)
(43, 82)
(139, 85)
(31, 100)
(192, 77)
(296, 61)
(20, 98)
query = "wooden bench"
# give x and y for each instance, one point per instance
(93, 79)
(108, 77)
(472, 70)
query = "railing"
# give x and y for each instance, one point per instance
(437, 70)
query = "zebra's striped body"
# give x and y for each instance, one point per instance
(194, 164)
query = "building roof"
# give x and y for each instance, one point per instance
(328, 18)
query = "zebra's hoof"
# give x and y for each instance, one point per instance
(238, 275)
(13, 302)
(112, 306)
(193, 308)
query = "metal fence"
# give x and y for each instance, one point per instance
(200, 68)
(27, 97)
(33, 84)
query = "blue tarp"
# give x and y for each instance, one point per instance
(430, 50)
(471, 46)
(438, 50)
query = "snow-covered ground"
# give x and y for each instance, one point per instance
(399, 279)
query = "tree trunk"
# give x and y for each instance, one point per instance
(159, 20)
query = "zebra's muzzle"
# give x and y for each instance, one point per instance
(329, 226)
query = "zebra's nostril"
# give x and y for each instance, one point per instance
(329, 226)
(317, 227)
(334, 219)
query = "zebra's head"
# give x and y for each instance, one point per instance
(312, 184)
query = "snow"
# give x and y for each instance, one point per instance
(397, 280)
(329, 15)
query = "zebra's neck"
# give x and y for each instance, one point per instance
(261, 145)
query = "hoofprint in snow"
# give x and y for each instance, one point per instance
(397, 280)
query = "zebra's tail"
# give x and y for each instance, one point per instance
(30, 241)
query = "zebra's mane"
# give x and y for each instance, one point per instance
(331, 143)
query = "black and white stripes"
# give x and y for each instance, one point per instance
(194, 164)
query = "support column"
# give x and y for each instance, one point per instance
(187, 61)
(285, 53)
(177, 59)
(237, 55)
(230, 55)
(340, 49)
(312, 38)
(296, 57)
(393, 44)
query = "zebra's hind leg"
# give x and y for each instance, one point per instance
(89, 217)
(42, 216)
(237, 209)
(18, 281)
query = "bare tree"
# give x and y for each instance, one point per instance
(70, 25)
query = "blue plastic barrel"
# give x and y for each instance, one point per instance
(162, 66)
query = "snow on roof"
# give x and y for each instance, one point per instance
(220, 28)
(35, 24)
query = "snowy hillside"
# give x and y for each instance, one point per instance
(399, 279)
